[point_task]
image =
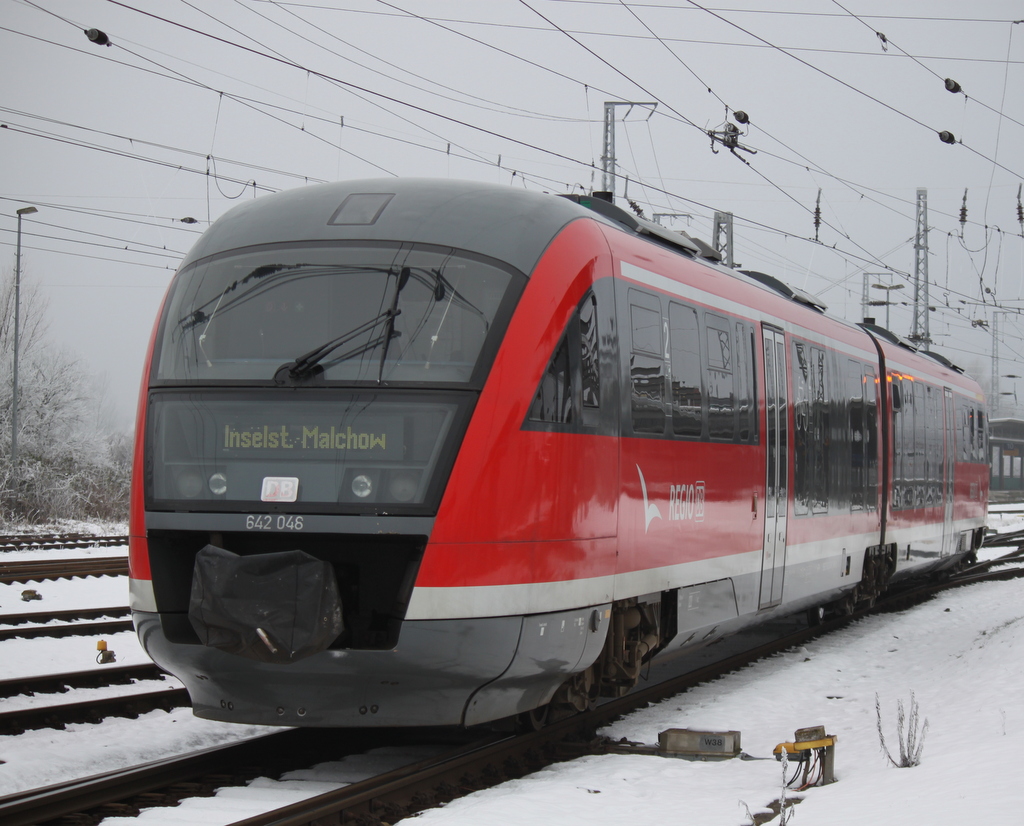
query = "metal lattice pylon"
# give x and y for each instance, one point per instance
(919, 331)
(608, 149)
(723, 237)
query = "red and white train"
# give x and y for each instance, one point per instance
(425, 452)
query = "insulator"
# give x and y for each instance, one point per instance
(952, 86)
(741, 117)
(947, 137)
(963, 210)
(98, 37)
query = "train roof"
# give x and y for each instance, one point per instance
(495, 220)
(498, 221)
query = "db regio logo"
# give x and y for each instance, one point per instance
(686, 502)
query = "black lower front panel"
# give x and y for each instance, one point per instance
(427, 679)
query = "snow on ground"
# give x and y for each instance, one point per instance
(43, 757)
(99, 528)
(962, 654)
(33, 554)
(64, 594)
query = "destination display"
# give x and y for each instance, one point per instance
(384, 438)
(342, 450)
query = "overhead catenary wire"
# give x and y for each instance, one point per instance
(935, 74)
(129, 155)
(349, 85)
(661, 7)
(126, 247)
(671, 195)
(477, 101)
(895, 110)
(654, 96)
(692, 201)
(853, 185)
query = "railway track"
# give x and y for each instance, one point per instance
(58, 541)
(92, 709)
(60, 683)
(13, 571)
(71, 623)
(427, 783)
(167, 782)
(35, 570)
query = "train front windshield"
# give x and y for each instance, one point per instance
(355, 314)
(325, 377)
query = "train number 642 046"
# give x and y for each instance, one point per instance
(266, 522)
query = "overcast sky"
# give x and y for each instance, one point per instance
(197, 104)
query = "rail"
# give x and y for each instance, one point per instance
(58, 541)
(36, 570)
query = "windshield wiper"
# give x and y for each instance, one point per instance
(308, 363)
(198, 316)
(389, 330)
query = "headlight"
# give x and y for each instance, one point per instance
(362, 486)
(190, 484)
(402, 487)
(218, 484)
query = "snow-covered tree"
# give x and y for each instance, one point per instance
(69, 465)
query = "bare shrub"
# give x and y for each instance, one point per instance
(910, 733)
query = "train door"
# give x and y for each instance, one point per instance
(949, 460)
(776, 500)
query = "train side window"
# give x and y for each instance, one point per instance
(965, 433)
(821, 434)
(870, 438)
(858, 443)
(554, 399)
(801, 370)
(646, 363)
(898, 447)
(980, 433)
(589, 357)
(905, 431)
(745, 405)
(720, 378)
(684, 350)
(920, 445)
(911, 432)
(934, 445)
(569, 392)
(812, 437)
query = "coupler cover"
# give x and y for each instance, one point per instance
(275, 608)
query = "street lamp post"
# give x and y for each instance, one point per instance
(29, 210)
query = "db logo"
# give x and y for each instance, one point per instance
(686, 502)
(279, 489)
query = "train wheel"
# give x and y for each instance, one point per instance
(533, 720)
(845, 606)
